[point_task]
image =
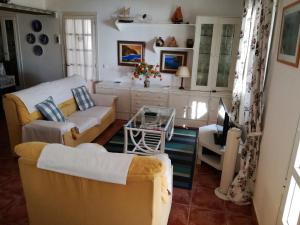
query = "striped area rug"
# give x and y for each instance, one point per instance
(181, 150)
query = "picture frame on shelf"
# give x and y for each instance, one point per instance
(130, 53)
(289, 42)
(171, 60)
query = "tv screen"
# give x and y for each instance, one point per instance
(222, 124)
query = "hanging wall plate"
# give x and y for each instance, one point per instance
(44, 39)
(36, 25)
(37, 50)
(30, 38)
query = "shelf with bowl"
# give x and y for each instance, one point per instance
(121, 25)
(157, 49)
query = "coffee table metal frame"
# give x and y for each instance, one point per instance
(149, 140)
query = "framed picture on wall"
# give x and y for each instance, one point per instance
(171, 60)
(289, 42)
(130, 53)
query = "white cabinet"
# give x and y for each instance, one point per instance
(215, 49)
(193, 108)
(154, 98)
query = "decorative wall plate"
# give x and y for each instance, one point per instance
(37, 50)
(30, 38)
(36, 25)
(44, 39)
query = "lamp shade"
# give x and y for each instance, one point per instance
(183, 71)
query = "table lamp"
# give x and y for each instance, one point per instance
(183, 72)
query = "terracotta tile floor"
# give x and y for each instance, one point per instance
(198, 206)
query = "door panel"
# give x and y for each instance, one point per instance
(80, 45)
(180, 103)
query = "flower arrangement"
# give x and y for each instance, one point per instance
(147, 71)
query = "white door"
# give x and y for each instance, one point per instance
(80, 46)
(228, 34)
(290, 205)
(204, 53)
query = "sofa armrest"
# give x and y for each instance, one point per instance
(46, 131)
(104, 100)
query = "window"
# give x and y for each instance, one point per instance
(290, 209)
(80, 45)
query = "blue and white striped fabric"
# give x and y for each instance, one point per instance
(83, 98)
(50, 111)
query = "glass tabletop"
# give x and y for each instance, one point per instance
(152, 118)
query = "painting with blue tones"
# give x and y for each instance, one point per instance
(171, 60)
(289, 43)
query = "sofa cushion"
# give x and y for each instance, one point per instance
(83, 123)
(83, 98)
(50, 111)
(97, 112)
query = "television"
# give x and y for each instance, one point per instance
(223, 124)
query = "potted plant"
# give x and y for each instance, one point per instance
(147, 71)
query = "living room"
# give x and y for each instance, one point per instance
(149, 112)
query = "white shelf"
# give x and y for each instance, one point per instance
(213, 160)
(158, 49)
(121, 26)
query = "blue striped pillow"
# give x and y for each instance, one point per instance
(83, 98)
(50, 111)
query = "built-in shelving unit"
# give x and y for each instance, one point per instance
(25, 9)
(120, 26)
(157, 49)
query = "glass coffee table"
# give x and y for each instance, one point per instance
(148, 130)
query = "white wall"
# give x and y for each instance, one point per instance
(159, 10)
(47, 67)
(31, 3)
(282, 111)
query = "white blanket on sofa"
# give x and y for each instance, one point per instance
(60, 90)
(88, 160)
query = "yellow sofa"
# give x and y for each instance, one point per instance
(57, 199)
(18, 115)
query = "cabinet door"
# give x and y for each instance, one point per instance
(180, 103)
(204, 53)
(228, 30)
(198, 108)
(123, 102)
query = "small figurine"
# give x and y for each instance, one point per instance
(172, 42)
(177, 16)
(159, 42)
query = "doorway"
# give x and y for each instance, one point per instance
(9, 48)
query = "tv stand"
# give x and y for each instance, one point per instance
(208, 151)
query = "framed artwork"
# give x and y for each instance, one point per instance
(289, 42)
(171, 60)
(130, 53)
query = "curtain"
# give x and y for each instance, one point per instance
(247, 105)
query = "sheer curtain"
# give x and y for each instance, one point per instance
(247, 107)
(80, 46)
